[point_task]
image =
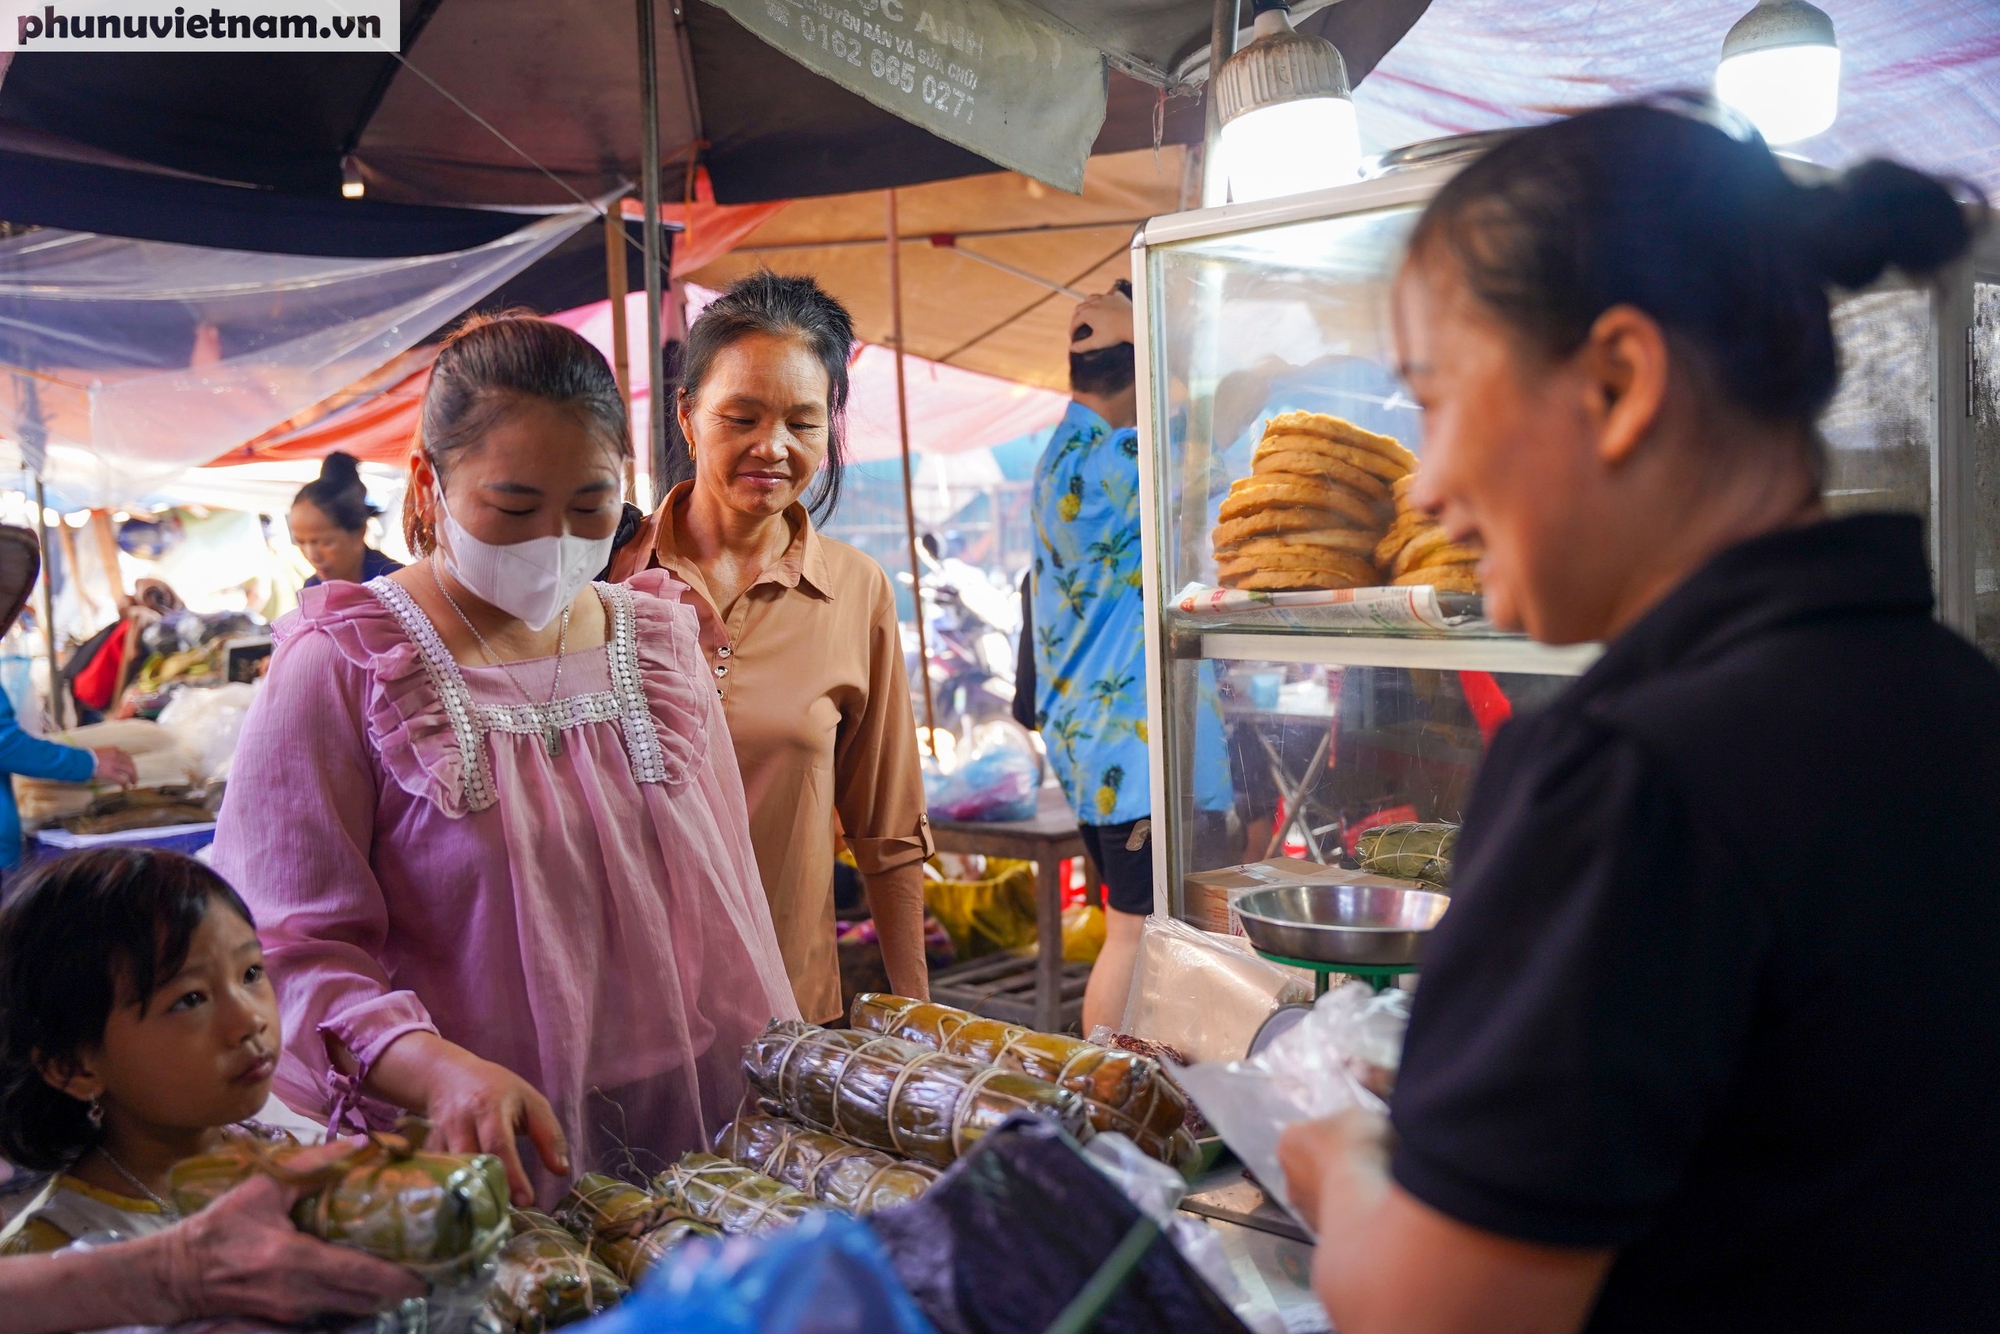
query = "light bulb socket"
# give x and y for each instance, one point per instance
(1279, 65)
(1775, 23)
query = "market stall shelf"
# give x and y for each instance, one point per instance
(1284, 553)
(1042, 993)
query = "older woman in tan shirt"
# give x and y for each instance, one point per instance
(800, 630)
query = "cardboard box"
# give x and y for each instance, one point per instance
(1211, 895)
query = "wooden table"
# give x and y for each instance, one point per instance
(1045, 840)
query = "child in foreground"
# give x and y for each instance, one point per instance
(137, 1028)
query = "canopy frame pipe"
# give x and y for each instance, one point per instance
(894, 245)
(656, 361)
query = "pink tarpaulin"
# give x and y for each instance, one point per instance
(952, 411)
(1920, 79)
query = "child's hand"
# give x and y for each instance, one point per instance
(114, 766)
(241, 1256)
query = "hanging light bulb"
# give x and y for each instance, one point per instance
(1286, 115)
(351, 184)
(1781, 68)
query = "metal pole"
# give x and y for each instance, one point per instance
(656, 365)
(49, 605)
(909, 478)
(617, 282)
(1221, 45)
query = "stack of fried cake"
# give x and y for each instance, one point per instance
(1416, 551)
(1314, 507)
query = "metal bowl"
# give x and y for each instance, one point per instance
(1336, 924)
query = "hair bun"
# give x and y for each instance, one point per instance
(340, 469)
(1881, 214)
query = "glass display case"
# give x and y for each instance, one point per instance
(1295, 728)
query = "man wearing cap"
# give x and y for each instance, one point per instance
(1089, 631)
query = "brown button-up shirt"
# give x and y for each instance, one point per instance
(809, 664)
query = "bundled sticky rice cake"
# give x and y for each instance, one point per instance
(442, 1215)
(894, 1095)
(733, 1198)
(630, 1229)
(546, 1279)
(1314, 507)
(847, 1176)
(1122, 1091)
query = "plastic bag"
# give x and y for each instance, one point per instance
(1201, 995)
(994, 775)
(156, 753)
(828, 1275)
(1344, 1054)
(206, 723)
(1158, 1191)
(1010, 1237)
(1083, 933)
(987, 915)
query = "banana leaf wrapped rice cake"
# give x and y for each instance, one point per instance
(731, 1197)
(441, 1215)
(847, 1176)
(1122, 1091)
(1409, 851)
(629, 1228)
(895, 1095)
(546, 1278)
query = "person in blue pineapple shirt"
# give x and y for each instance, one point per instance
(20, 751)
(1089, 630)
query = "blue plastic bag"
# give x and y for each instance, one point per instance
(994, 774)
(827, 1275)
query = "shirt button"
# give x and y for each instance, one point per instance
(722, 652)
(722, 669)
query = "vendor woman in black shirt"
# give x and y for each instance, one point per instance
(1710, 1038)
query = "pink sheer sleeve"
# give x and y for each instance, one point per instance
(293, 838)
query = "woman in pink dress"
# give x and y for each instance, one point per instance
(487, 812)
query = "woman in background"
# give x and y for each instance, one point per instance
(329, 523)
(799, 630)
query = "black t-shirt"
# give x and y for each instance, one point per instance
(1720, 983)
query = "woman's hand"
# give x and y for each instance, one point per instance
(474, 1106)
(114, 766)
(1341, 1160)
(242, 1256)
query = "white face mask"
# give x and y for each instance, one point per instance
(533, 580)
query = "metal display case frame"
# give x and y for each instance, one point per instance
(1964, 502)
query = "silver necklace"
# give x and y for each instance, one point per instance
(165, 1207)
(543, 713)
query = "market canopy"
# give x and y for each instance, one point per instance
(958, 308)
(1920, 79)
(560, 83)
(951, 410)
(124, 362)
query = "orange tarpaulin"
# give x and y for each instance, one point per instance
(374, 419)
(708, 230)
